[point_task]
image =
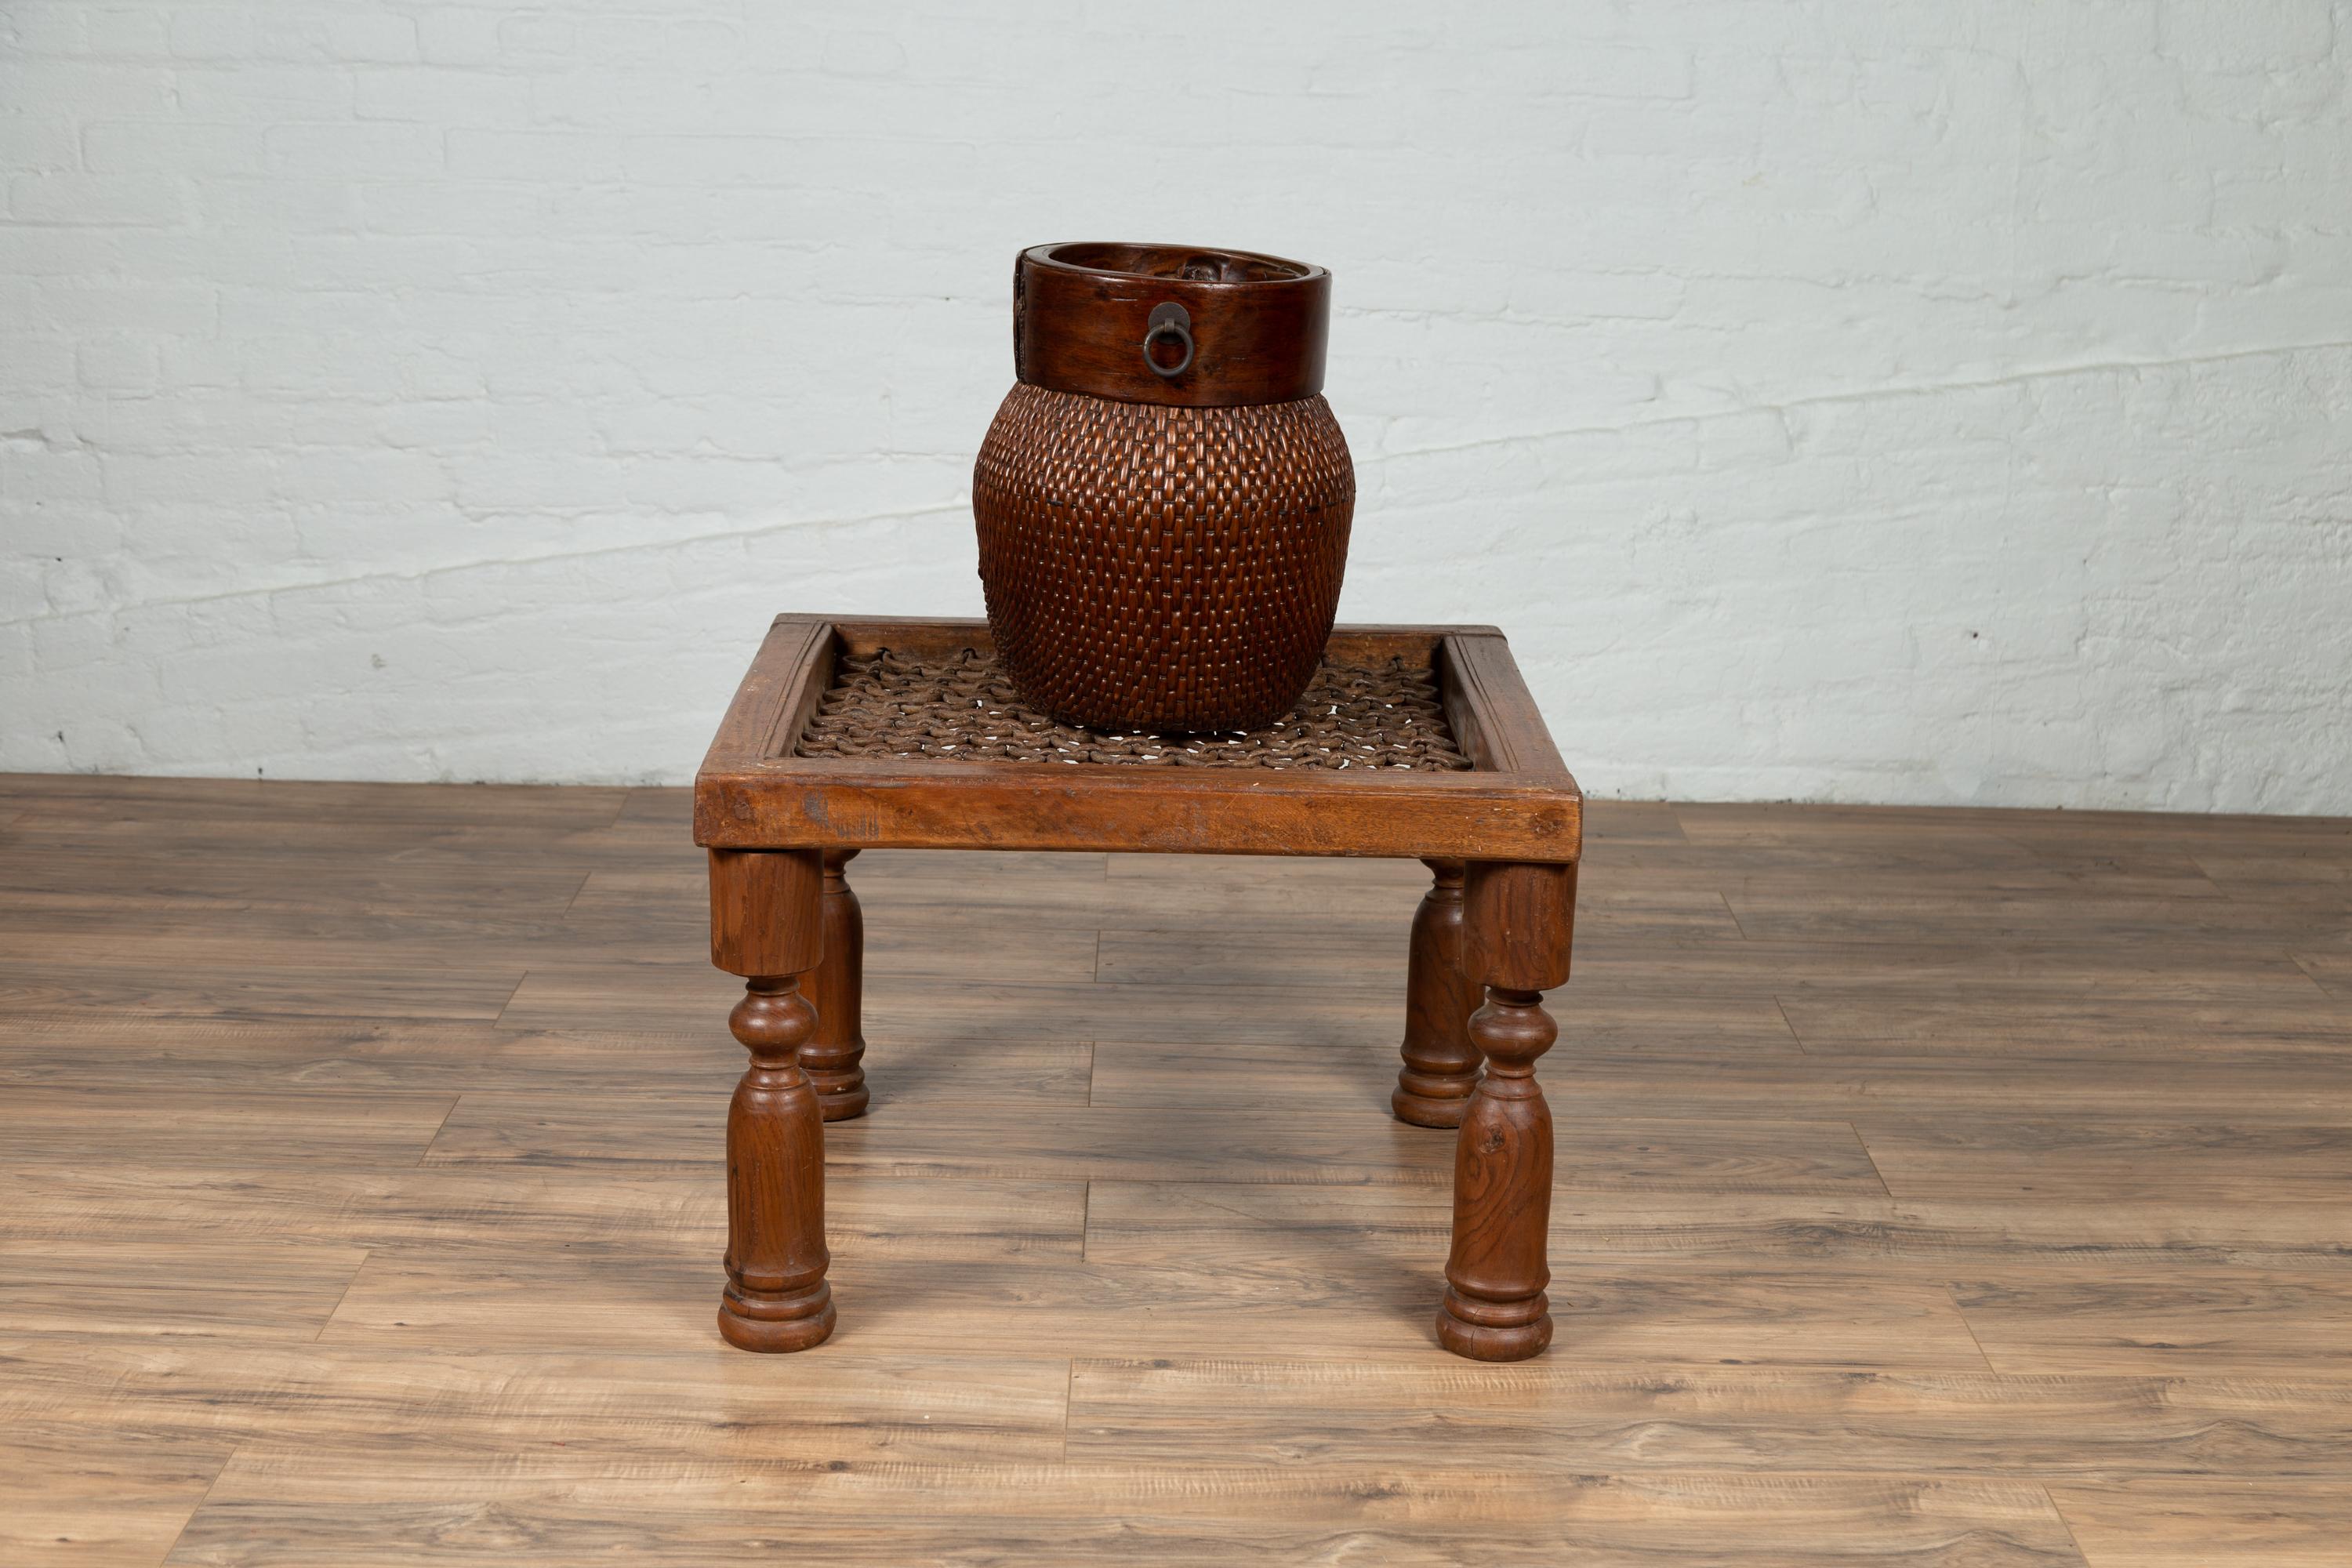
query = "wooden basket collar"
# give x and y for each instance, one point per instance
(1256, 325)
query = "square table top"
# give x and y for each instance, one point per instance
(857, 732)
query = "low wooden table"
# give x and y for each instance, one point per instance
(1420, 741)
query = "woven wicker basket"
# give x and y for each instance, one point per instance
(1164, 497)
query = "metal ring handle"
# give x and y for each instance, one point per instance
(1169, 320)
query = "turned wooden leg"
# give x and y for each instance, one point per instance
(836, 987)
(1441, 1065)
(764, 924)
(776, 1297)
(1494, 1307)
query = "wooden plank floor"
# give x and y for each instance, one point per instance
(1935, 1187)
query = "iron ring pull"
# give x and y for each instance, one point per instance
(1168, 321)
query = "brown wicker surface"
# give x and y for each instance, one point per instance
(1161, 568)
(967, 710)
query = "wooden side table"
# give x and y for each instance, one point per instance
(1420, 741)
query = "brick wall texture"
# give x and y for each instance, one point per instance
(1870, 400)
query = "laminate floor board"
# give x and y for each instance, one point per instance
(2332, 971)
(678, 873)
(2153, 1083)
(673, 908)
(1315, 1294)
(99, 796)
(1328, 1078)
(324, 882)
(1349, 911)
(1118, 1142)
(255, 990)
(1614, 1016)
(487, 1208)
(1712, 823)
(1174, 1223)
(2205, 1522)
(262, 847)
(1908, 863)
(294, 837)
(2250, 972)
(953, 884)
(2321, 875)
(698, 1403)
(1346, 902)
(1823, 912)
(273, 1506)
(185, 950)
(1048, 1142)
(447, 935)
(1360, 952)
(1678, 1041)
(491, 1208)
(1353, 922)
(1735, 1059)
(255, 1288)
(895, 952)
(2051, 1317)
(361, 1196)
(933, 1071)
(2111, 832)
(901, 953)
(1609, 823)
(134, 1123)
(2081, 1160)
(668, 806)
(2328, 938)
(180, 1196)
(1958, 1022)
(1561, 1416)
(444, 1058)
(2065, 832)
(652, 992)
(1304, 1024)
(1947, 894)
(83, 1495)
(657, 996)
(1364, 915)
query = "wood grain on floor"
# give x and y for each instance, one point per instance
(1934, 1187)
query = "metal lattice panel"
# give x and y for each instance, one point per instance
(966, 708)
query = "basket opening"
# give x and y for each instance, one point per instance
(1180, 261)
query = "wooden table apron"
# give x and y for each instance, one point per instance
(1492, 935)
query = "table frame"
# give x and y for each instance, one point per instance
(1502, 840)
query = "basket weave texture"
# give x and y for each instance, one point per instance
(965, 709)
(1162, 567)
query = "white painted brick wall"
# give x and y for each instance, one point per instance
(1900, 400)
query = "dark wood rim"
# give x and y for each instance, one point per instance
(1246, 327)
(1518, 802)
